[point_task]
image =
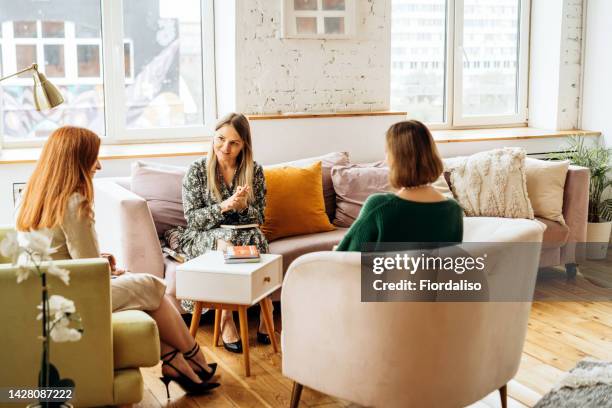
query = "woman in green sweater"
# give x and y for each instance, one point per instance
(416, 212)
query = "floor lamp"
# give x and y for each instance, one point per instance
(46, 95)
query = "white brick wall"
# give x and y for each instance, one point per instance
(570, 69)
(297, 75)
(555, 63)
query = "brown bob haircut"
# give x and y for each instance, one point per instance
(412, 154)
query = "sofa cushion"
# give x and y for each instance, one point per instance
(292, 247)
(496, 229)
(545, 185)
(353, 184)
(135, 340)
(294, 202)
(492, 183)
(162, 187)
(556, 234)
(327, 162)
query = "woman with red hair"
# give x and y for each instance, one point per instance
(59, 202)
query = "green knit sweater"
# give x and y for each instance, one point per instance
(389, 218)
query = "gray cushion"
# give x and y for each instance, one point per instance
(162, 187)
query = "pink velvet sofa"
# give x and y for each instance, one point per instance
(126, 228)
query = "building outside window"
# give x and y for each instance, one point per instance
(160, 91)
(467, 82)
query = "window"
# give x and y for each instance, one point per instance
(318, 18)
(469, 82)
(127, 70)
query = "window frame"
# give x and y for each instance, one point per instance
(520, 117)
(112, 76)
(453, 71)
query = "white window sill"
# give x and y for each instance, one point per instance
(169, 149)
(117, 151)
(496, 134)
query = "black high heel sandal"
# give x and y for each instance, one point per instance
(186, 383)
(202, 373)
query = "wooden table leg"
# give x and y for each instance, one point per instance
(266, 308)
(195, 318)
(244, 334)
(217, 328)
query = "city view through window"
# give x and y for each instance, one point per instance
(163, 65)
(489, 58)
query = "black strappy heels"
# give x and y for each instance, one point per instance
(202, 373)
(186, 383)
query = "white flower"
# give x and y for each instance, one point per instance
(60, 334)
(61, 273)
(38, 242)
(9, 247)
(23, 274)
(58, 307)
(61, 312)
(24, 267)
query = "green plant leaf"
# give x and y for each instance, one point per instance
(605, 210)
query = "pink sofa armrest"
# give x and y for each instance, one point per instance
(125, 228)
(575, 212)
(576, 202)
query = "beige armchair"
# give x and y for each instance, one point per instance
(401, 354)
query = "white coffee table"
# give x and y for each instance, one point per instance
(213, 284)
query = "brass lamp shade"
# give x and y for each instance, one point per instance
(46, 95)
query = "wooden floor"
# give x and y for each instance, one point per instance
(560, 334)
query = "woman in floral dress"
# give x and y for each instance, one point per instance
(224, 187)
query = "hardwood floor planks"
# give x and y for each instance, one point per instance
(559, 334)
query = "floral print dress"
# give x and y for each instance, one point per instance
(204, 216)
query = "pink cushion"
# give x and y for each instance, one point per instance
(353, 185)
(327, 162)
(161, 186)
(293, 247)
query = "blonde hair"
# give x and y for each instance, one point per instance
(64, 168)
(413, 155)
(246, 167)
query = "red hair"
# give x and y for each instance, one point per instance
(64, 168)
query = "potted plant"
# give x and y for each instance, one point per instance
(57, 314)
(597, 159)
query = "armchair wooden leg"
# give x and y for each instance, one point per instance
(571, 269)
(296, 393)
(503, 394)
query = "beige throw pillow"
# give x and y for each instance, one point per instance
(545, 184)
(492, 183)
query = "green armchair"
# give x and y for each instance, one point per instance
(104, 364)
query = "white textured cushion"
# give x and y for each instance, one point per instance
(545, 184)
(492, 183)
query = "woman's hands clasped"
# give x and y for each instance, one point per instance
(238, 201)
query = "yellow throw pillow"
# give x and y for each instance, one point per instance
(294, 202)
